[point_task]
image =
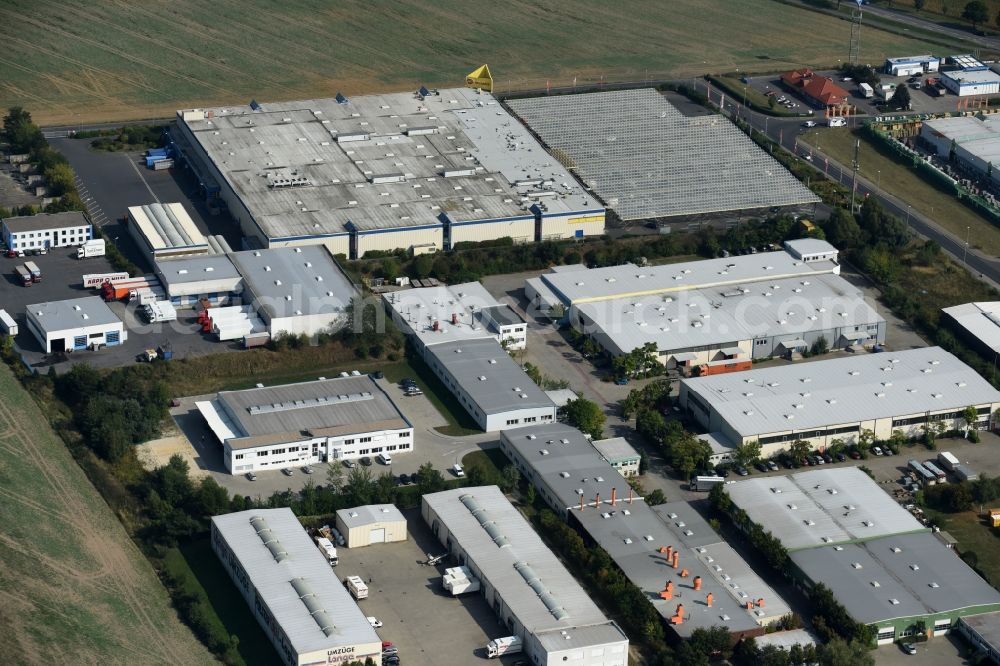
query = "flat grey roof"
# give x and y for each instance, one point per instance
(185, 270)
(302, 562)
(842, 390)
(821, 507)
(74, 313)
(809, 246)
(779, 308)
(311, 168)
(916, 575)
(986, 625)
(504, 315)
(370, 514)
(561, 461)
(489, 375)
(294, 281)
(980, 320)
(615, 448)
(646, 159)
(42, 221)
(980, 138)
(297, 411)
(972, 76)
(508, 553)
(629, 280)
(462, 304)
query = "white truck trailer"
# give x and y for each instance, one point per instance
(92, 248)
(459, 580)
(947, 460)
(506, 645)
(866, 90)
(329, 551)
(7, 324)
(356, 587)
(705, 483)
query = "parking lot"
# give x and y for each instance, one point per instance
(446, 630)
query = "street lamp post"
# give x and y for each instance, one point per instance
(879, 184)
(907, 217)
(965, 251)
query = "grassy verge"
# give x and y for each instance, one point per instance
(904, 182)
(490, 460)
(222, 606)
(459, 422)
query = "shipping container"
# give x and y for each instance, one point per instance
(7, 323)
(947, 460)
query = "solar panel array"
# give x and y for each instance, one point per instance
(648, 160)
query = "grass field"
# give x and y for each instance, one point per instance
(973, 534)
(905, 183)
(71, 581)
(77, 61)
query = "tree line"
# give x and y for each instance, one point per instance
(25, 137)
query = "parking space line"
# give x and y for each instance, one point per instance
(142, 178)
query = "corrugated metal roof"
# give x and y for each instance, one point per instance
(532, 582)
(980, 320)
(295, 581)
(842, 390)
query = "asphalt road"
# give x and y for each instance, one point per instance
(786, 132)
(917, 22)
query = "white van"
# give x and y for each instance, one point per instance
(385, 458)
(837, 122)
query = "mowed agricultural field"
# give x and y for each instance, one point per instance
(77, 61)
(73, 587)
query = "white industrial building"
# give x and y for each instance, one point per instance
(844, 531)
(296, 290)
(696, 313)
(837, 399)
(619, 454)
(979, 324)
(971, 82)
(187, 280)
(310, 422)
(422, 171)
(371, 524)
(75, 325)
(535, 598)
(291, 589)
(911, 65)
(456, 312)
(457, 331)
(708, 584)
(166, 230)
(46, 230)
(971, 141)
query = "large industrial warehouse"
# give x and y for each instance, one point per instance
(700, 312)
(978, 324)
(296, 290)
(291, 589)
(166, 230)
(187, 280)
(310, 422)
(420, 171)
(457, 330)
(532, 593)
(690, 575)
(838, 398)
(646, 159)
(889, 571)
(973, 141)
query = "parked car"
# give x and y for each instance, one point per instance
(306, 469)
(762, 466)
(405, 381)
(375, 622)
(286, 471)
(809, 123)
(841, 457)
(742, 471)
(384, 458)
(877, 450)
(404, 479)
(378, 374)
(772, 466)
(458, 470)
(366, 461)
(621, 381)
(827, 458)
(908, 648)
(251, 476)
(855, 455)
(413, 391)
(722, 470)
(350, 464)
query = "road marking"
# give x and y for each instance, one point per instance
(142, 178)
